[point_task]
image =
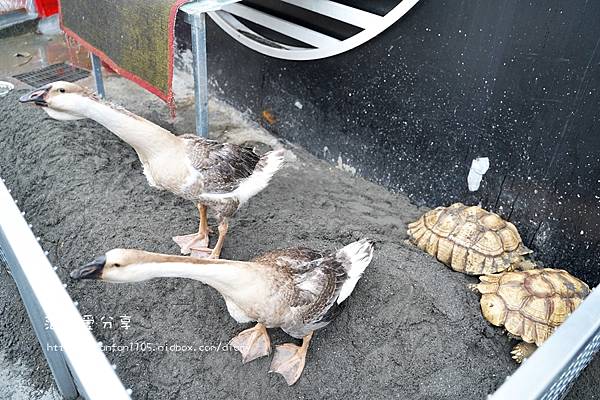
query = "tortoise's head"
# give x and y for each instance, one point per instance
(61, 100)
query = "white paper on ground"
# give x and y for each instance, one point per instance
(479, 167)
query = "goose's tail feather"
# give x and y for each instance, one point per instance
(267, 166)
(355, 258)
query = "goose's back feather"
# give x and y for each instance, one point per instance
(291, 258)
(317, 290)
(308, 285)
(221, 166)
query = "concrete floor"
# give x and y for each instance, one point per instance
(43, 51)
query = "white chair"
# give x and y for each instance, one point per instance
(262, 26)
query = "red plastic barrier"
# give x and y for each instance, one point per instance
(46, 8)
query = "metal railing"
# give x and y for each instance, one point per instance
(78, 365)
(553, 368)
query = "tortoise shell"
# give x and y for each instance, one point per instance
(468, 239)
(530, 304)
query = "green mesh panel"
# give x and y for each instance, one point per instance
(134, 34)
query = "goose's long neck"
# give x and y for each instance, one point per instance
(144, 136)
(230, 278)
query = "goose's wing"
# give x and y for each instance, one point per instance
(312, 279)
(222, 165)
(315, 285)
(323, 284)
(289, 258)
(317, 289)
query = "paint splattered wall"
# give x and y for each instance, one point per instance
(517, 82)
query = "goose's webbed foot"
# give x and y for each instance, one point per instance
(289, 360)
(192, 242)
(196, 244)
(253, 343)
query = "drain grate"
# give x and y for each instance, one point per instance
(52, 73)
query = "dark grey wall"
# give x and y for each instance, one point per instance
(516, 81)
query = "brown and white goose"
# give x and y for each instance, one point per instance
(219, 176)
(298, 290)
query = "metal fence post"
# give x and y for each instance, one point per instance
(97, 71)
(197, 22)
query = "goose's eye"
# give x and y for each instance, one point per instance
(116, 265)
(62, 90)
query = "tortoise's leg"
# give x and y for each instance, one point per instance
(473, 287)
(289, 360)
(522, 351)
(526, 265)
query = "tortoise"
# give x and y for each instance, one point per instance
(469, 239)
(529, 304)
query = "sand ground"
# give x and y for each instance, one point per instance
(411, 329)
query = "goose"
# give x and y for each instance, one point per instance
(298, 290)
(219, 176)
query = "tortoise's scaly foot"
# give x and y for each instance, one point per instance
(253, 343)
(522, 351)
(526, 265)
(473, 287)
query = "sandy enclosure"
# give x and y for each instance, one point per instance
(411, 329)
